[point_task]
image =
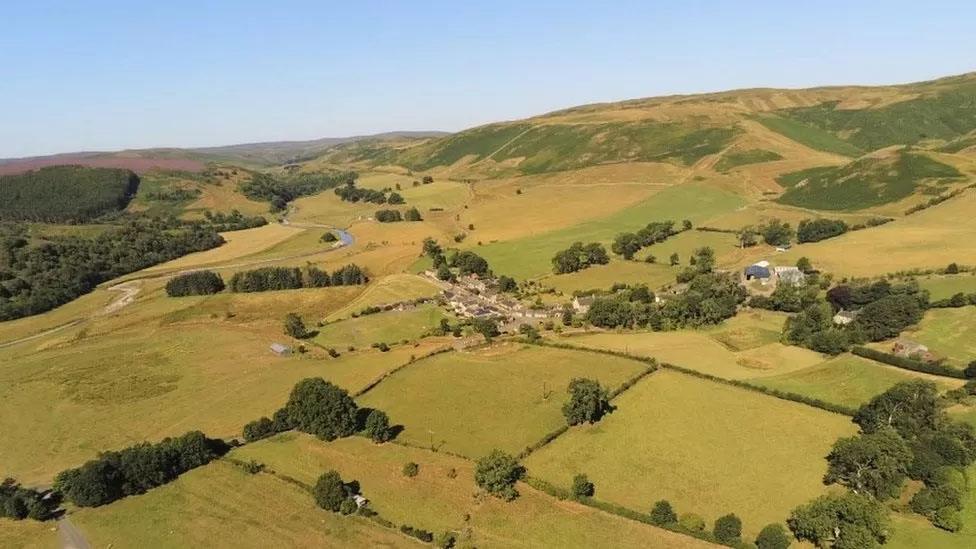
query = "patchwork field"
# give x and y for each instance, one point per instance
(450, 401)
(663, 441)
(605, 276)
(847, 380)
(530, 256)
(389, 289)
(439, 500)
(946, 286)
(215, 505)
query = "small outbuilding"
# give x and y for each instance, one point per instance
(280, 349)
(360, 501)
(582, 304)
(843, 318)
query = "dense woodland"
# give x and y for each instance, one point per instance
(37, 276)
(65, 194)
(268, 279)
(279, 191)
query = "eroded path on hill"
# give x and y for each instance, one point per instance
(71, 536)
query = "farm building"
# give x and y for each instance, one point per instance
(757, 271)
(582, 304)
(790, 275)
(844, 318)
(360, 501)
(280, 350)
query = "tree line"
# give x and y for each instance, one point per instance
(65, 194)
(37, 277)
(393, 216)
(136, 469)
(628, 244)
(351, 193)
(266, 279)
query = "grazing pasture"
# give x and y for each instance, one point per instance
(605, 276)
(27, 534)
(847, 380)
(239, 244)
(389, 289)
(387, 327)
(709, 448)
(443, 494)
(695, 350)
(949, 333)
(62, 405)
(945, 286)
(220, 504)
(452, 401)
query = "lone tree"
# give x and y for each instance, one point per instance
(728, 529)
(674, 259)
(773, 536)
(848, 520)
(663, 514)
(329, 491)
(582, 487)
(377, 426)
(588, 402)
(295, 327)
(322, 409)
(497, 474)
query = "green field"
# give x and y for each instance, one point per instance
(221, 505)
(949, 333)
(439, 500)
(946, 286)
(387, 290)
(451, 401)
(709, 448)
(388, 327)
(602, 277)
(846, 380)
(531, 256)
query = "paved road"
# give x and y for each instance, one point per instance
(71, 536)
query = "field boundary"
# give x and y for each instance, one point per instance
(373, 384)
(906, 363)
(775, 393)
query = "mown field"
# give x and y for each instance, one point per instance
(451, 401)
(390, 327)
(945, 286)
(949, 333)
(389, 289)
(708, 448)
(442, 497)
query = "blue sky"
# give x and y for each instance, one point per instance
(100, 75)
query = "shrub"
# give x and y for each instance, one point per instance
(411, 469)
(663, 514)
(445, 540)
(948, 518)
(348, 506)
(377, 426)
(252, 467)
(815, 230)
(18, 503)
(388, 216)
(329, 236)
(196, 283)
(728, 529)
(295, 327)
(692, 522)
(773, 536)
(258, 429)
(422, 535)
(582, 487)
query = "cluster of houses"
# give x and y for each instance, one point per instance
(472, 297)
(766, 273)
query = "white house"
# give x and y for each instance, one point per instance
(582, 304)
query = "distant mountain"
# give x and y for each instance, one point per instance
(194, 159)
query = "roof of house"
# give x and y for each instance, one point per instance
(786, 269)
(279, 348)
(757, 271)
(585, 300)
(762, 263)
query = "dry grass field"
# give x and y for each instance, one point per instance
(439, 500)
(450, 401)
(389, 289)
(949, 333)
(709, 448)
(28, 534)
(239, 244)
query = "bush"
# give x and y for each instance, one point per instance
(422, 535)
(295, 327)
(582, 487)
(908, 363)
(773, 536)
(258, 429)
(692, 522)
(329, 236)
(348, 506)
(948, 518)
(445, 540)
(18, 503)
(815, 230)
(663, 514)
(377, 426)
(728, 529)
(196, 283)
(388, 216)
(411, 469)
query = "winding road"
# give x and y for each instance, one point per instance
(130, 288)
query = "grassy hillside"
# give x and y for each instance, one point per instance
(866, 182)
